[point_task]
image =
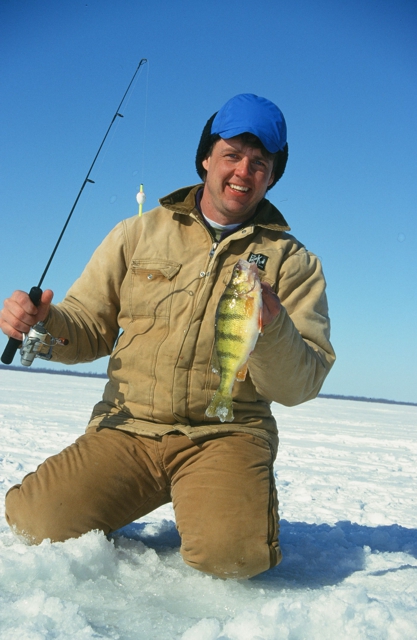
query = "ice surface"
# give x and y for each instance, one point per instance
(346, 480)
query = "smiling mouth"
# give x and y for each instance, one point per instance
(238, 187)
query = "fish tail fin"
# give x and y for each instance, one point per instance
(221, 407)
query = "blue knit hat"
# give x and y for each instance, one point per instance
(248, 113)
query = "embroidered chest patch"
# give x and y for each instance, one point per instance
(259, 259)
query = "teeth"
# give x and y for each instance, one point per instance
(237, 187)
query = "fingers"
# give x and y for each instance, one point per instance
(19, 313)
(45, 303)
(271, 304)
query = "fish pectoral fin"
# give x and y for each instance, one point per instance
(241, 374)
(249, 306)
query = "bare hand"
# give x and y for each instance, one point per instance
(271, 304)
(19, 313)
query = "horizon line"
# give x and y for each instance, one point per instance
(90, 374)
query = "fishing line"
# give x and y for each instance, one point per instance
(36, 292)
(140, 196)
(145, 120)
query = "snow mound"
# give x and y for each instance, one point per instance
(346, 481)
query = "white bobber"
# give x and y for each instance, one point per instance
(140, 197)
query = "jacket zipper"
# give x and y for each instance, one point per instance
(213, 249)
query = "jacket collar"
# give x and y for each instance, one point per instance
(267, 215)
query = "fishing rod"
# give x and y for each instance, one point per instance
(33, 343)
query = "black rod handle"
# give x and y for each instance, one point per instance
(10, 350)
(13, 344)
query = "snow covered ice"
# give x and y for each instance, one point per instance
(346, 481)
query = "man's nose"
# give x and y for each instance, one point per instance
(243, 167)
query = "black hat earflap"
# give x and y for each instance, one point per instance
(204, 146)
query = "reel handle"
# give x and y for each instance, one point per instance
(14, 344)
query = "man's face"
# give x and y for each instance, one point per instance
(238, 176)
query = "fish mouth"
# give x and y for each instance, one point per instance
(251, 269)
(249, 289)
(245, 293)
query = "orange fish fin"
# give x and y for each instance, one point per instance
(241, 374)
(260, 320)
(249, 306)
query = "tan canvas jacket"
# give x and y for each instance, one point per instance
(148, 297)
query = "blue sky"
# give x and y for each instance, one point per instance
(344, 74)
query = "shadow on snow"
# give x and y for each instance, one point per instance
(314, 555)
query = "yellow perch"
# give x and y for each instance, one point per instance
(238, 325)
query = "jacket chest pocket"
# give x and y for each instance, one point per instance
(151, 287)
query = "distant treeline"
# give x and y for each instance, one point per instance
(82, 374)
(332, 396)
(60, 372)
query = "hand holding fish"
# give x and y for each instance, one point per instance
(238, 325)
(245, 308)
(271, 304)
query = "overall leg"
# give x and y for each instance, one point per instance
(226, 506)
(105, 480)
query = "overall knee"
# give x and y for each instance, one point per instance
(229, 560)
(19, 518)
(32, 519)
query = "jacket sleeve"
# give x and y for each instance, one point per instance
(88, 315)
(293, 356)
